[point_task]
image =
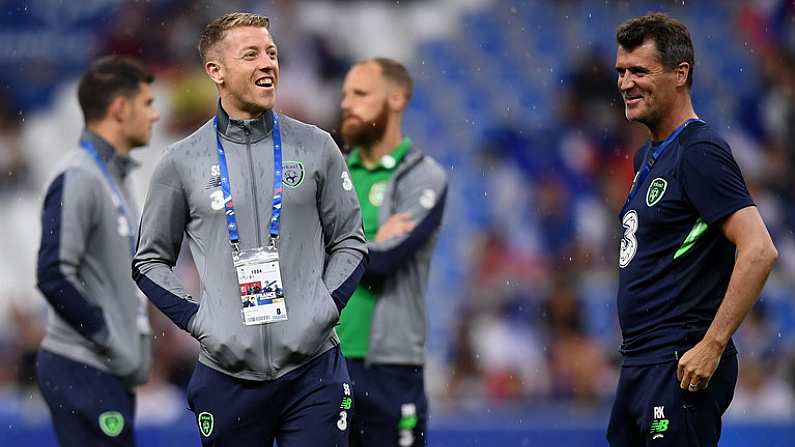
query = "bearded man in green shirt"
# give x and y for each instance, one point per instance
(402, 194)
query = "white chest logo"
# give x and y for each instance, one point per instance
(629, 244)
(217, 200)
(656, 191)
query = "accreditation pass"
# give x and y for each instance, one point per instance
(261, 291)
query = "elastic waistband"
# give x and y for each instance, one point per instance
(670, 355)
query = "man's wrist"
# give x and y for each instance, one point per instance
(716, 342)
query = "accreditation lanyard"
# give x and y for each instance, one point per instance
(646, 168)
(118, 198)
(276, 208)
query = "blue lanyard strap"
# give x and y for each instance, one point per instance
(276, 208)
(278, 189)
(646, 168)
(118, 198)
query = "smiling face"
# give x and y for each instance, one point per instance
(245, 67)
(646, 85)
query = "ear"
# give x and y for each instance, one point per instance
(682, 71)
(396, 99)
(119, 109)
(215, 70)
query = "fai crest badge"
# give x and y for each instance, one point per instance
(376, 195)
(111, 423)
(656, 191)
(292, 173)
(206, 423)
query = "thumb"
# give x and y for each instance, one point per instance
(680, 369)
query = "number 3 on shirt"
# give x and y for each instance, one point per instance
(629, 245)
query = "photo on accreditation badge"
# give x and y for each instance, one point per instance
(262, 299)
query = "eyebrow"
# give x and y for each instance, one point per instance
(633, 68)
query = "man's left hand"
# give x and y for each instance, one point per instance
(697, 365)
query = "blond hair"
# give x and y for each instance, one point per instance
(215, 30)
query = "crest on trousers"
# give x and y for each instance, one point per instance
(206, 423)
(111, 423)
(656, 190)
(292, 173)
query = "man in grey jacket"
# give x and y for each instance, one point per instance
(274, 226)
(97, 346)
(402, 194)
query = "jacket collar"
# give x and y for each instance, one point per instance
(388, 162)
(411, 159)
(237, 131)
(117, 164)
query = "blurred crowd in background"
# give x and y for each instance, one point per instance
(517, 99)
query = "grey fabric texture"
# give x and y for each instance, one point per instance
(321, 242)
(399, 324)
(94, 257)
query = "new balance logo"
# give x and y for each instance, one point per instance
(658, 424)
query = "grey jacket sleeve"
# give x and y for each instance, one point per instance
(69, 215)
(163, 221)
(341, 218)
(422, 195)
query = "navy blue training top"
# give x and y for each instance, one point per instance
(675, 263)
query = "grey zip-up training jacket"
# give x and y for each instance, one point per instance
(399, 266)
(322, 249)
(98, 315)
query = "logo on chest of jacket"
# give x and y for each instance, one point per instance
(656, 191)
(292, 173)
(215, 178)
(376, 195)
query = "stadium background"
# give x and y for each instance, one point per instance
(517, 99)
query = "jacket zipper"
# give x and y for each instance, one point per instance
(253, 186)
(264, 329)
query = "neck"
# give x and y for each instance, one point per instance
(680, 112)
(372, 154)
(238, 113)
(110, 133)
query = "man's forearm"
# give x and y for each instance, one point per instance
(751, 270)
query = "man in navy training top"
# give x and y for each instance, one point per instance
(694, 254)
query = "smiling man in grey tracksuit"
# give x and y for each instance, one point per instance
(402, 194)
(258, 380)
(98, 344)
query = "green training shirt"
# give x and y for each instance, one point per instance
(357, 316)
